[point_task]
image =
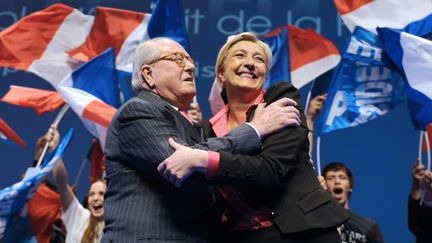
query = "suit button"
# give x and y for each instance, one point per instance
(272, 214)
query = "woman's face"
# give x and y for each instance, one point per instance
(96, 199)
(244, 67)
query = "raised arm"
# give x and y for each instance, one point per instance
(314, 109)
(62, 180)
(60, 174)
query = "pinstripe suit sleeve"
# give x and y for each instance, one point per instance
(242, 140)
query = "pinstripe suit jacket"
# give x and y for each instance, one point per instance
(140, 206)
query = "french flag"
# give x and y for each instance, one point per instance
(310, 54)
(38, 42)
(8, 135)
(413, 56)
(92, 93)
(370, 14)
(117, 28)
(40, 100)
(96, 114)
(299, 56)
(125, 30)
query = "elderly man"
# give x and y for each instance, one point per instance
(139, 204)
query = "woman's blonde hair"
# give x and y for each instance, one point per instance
(245, 36)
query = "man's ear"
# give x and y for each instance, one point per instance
(147, 75)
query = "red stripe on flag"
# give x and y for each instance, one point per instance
(99, 113)
(429, 134)
(27, 39)
(97, 166)
(41, 100)
(44, 209)
(111, 28)
(305, 46)
(346, 6)
(10, 134)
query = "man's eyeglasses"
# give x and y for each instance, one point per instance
(178, 57)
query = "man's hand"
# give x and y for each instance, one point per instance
(182, 163)
(275, 116)
(53, 139)
(322, 182)
(418, 174)
(194, 113)
(315, 106)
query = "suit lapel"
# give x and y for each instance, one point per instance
(158, 101)
(190, 129)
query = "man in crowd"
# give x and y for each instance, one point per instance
(340, 183)
(338, 180)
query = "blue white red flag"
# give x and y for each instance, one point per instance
(370, 14)
(365, 85)
(121, 29)
(124, 30)
(48, 33)
(413, 56)
(92, 92)
(14, 198)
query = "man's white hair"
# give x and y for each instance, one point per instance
(145, 53)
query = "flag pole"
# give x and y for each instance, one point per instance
(428, 150)
(78, 176)
(420, 146)
(318, 149)
(308, 98)
(422, 134)
(55, 123)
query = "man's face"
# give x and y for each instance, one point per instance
(339, 186)
(174, 80)
(96, 200)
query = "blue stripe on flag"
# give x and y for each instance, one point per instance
(280, 67)
(99, 78)
(167, 20)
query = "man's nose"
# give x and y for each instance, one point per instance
(189, 66)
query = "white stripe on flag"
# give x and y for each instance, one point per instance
(387, 13)
(54, 63)
(304, 74)
(125, 55)
(417, 61)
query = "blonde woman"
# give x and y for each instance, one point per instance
(272, 196)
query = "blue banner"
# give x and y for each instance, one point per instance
(13, 198)
(366, 85)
